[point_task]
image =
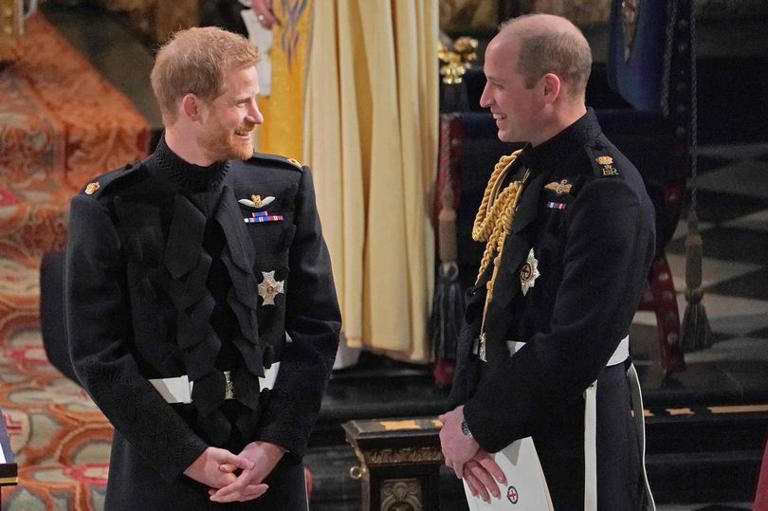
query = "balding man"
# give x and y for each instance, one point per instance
(569, 233)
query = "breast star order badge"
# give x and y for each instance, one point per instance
(529, 273)
(269, 288)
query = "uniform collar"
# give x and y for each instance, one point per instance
(190, 177)
(546, 156)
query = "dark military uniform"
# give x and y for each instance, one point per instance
(174, 269)
(592, 241)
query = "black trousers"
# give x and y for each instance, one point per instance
(619, 470)
(134, 484)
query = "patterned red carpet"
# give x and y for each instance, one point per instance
(60, 124)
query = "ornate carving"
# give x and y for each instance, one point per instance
(403, 456)
(401, 495)
(583, 13)
(457, 59)
(469, 15)
(10, 29)
(630, 10)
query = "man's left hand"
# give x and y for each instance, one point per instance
(483, 476)
(248, 485)
(457, 447)
(265, 13)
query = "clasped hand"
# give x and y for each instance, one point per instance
(216, 468)
(467, 460)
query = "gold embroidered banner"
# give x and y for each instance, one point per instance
(283, 108)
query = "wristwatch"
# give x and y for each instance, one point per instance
(465, 429)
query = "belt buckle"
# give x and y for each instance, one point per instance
(229, 387)
(478, 347)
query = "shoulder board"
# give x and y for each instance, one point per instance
(266, 158)
(602, 162)
(104, 181)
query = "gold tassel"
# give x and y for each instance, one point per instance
(448, 300)
(696, 332)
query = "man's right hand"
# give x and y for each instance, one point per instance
(205, 469)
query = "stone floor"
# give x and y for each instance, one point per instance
(733, 212)
(733, 209)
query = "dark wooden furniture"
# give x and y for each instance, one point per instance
(399, 462)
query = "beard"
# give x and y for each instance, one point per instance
(222, 144)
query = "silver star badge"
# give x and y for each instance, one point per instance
(529, 273)
(270, 288)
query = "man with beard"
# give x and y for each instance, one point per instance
(201, 311)
(569, 233)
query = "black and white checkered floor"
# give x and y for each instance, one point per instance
(733, 213)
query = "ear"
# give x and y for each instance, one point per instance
(552, 87)
(191, 107)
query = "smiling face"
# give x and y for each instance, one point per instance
(227, 121)
(516, 108)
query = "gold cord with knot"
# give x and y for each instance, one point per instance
(494, 220)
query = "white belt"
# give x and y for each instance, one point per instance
(619, 356)
(590, 425)
(179, 389)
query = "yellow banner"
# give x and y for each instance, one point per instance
(282, 109)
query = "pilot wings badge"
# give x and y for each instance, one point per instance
(257, 201)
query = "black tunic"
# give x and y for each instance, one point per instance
(162, 279)
(593, 244)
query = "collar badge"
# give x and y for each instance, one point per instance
(91, 188)
(606, 163)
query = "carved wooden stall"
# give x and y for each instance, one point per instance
(399, 463)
